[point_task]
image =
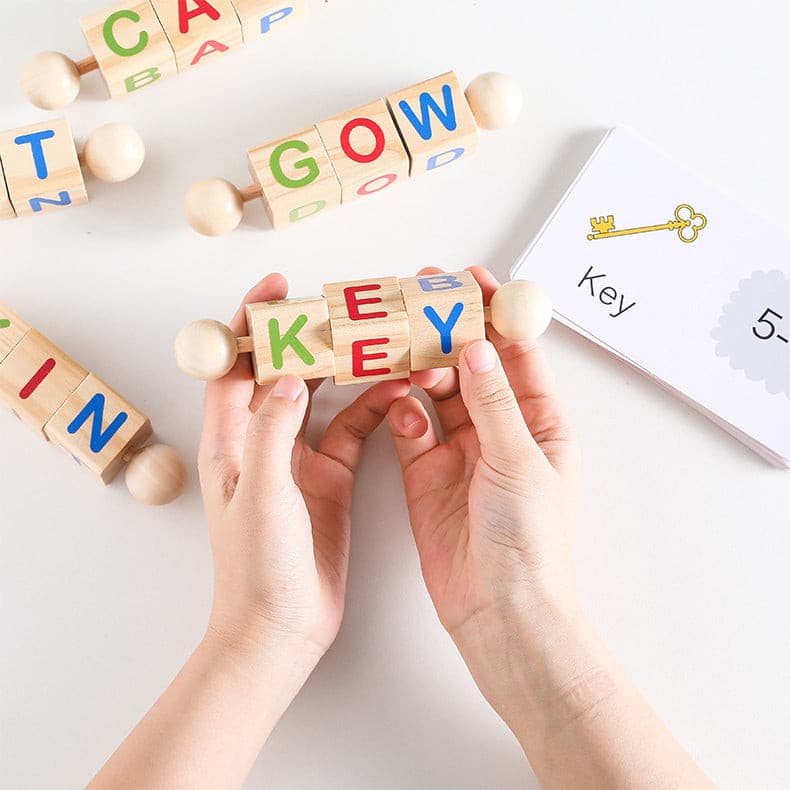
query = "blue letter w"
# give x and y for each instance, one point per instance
(428, 103)
(95, 408)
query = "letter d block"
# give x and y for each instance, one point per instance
(130, 46)
(261, 17)
(97, 427)
(291, 337)
(445, 314)
(41, 167)
(296, 177)
(436, 123)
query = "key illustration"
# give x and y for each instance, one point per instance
(688, 224)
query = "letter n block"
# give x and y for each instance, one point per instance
(366, 150)
(12, 330)
(296, 177)
(291, 337)
(261, 17)
(36, 378)
(445, 314)
(436, 123)
(370, 330)
(130, 46)
(97, 427)
(6, 209)
(42, 168)
(199, 29)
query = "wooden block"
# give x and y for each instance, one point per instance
(261, 17)
(6, 209)
(130, 46)
(293, 337)
(41, 167)
(435, 122)
(365, 149)
(445, 314)
(12, 330)
(295, 176)
(36, 378)
(199, 30)
(370, 330)
(97, 427)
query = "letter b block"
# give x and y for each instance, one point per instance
(291, 337)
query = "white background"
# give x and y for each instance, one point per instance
(683, 540)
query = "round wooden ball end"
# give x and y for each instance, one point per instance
(521, 310)
(156, 475)
(214, 207)
(114, 152)
(495, 99)
(206, 350)
(50, 80)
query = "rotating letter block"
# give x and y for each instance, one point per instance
(130, 46)
(295, 176)
(97, 427)
(366, 150)
(370, 330)
(260, 17)
(42, 169)
(199, 29)
(445, 314)
(436, 122)
(291, 337)
(36, 378)
(12, 330)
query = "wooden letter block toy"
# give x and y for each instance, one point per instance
(445, 314)
(418, 130)
(36, 378)
(292, 336)
(136, 44)
(6, 209)
(43, 171)
(62, 402)
(130, 46)
(370, 330)
(366, 150)
(295, 177)
(380, 329)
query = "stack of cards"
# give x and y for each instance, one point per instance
(678, 280)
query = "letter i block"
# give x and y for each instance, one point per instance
(42, 168)
(366, 150)
(12, 330)
(36, 378)
(291, 337)
(198, 29)
(370, 330)
(97, 427)
(259, 17)
(130, 46)
(6, 209)
(296, 177)
(445, 314)
(436, 122)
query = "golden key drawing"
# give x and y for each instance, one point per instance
(688, 223)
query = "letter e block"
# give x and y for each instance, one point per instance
(97, 427)
(12, 330)
(370, 330)
(261, 17)
(296, 177)
(291, 337)
(445, 314)
(130, 46)
(436, 123)
(42, 169)
(36, 378)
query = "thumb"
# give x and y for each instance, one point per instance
(271, 435)
(505, 441)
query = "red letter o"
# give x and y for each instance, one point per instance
(378, 134)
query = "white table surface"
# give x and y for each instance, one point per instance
(683, 539)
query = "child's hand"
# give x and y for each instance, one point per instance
(278, 510)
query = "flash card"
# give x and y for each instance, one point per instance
(652, 263)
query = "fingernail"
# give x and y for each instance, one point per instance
(289, 388)
(409, 420)
(480, 357)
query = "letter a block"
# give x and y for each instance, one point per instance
(291, 337)
(12, 330)
(199, 29)
(36, 378)
(435, 122)
(295, 176)
(260, 17)
(445, 314)
(370, 330)
(97, 427)
(130, 46)
(42, 168)
(6, 209)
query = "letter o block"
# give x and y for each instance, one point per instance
(130, 46)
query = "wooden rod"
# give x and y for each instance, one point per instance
(250, 193)
(86, 65)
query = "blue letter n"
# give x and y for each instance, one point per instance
(94, 408)
(37, 204)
